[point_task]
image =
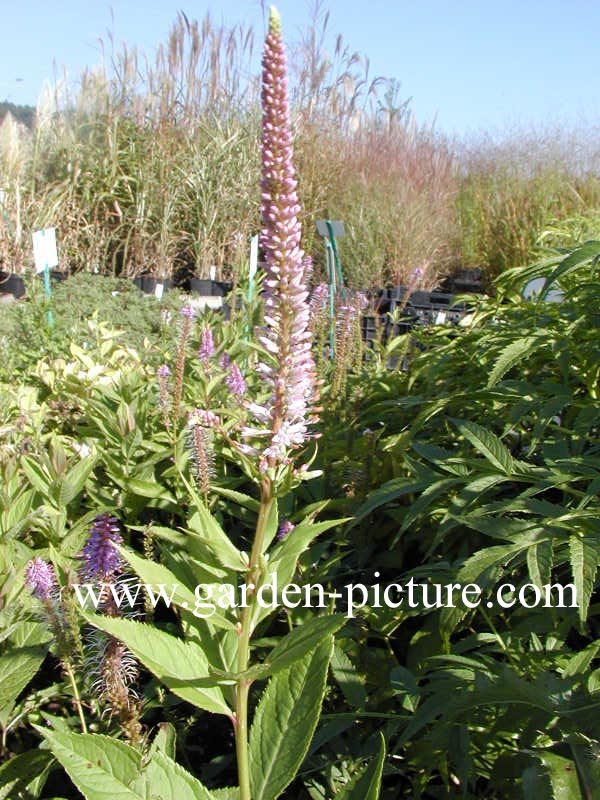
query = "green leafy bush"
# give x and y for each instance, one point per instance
(27, 336)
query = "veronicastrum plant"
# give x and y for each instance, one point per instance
(213, 664)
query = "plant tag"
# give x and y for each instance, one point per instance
(337, 228)
(213, 273)
(440, 318)
(158, 290)
(45, 253)
(253, 266)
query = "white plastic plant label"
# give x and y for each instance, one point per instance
(158, 290)
(253, 266)
(45, 253)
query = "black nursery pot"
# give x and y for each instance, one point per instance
(468, 280)
(148, 283)
(208, 288)
(56, 275)
(12, 284)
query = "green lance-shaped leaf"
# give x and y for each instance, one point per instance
(244, 500)
(100, 767)
(285, 554)
(366, 785)
(149, 489)
(348, 679)
(285, 721)
(512, 355)
(181, 666)
(562, 774)
(387, 493)
(156, 575)
(483, 568)
(36, 475)
(68, 486)
(227, 793)
(164, 778)
(303, 640)
(585, 557)
(165, 741)
(539, 563)
(590, 251)
(17, 668)
(488, 444)
(588, 765)
(580, 663)
(211, 541)
(8, 790)
(25, 774)
(19, 665)
(295, 646)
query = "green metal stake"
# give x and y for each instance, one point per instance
(332, 289)
(48, 294)
(327, 229)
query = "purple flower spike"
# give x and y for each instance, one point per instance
(40, 578)
(100, 558)
(286, 335)
(207, 346)
(163, 371)
(235, 381)
(187, 312)
(319, 298)
(285, 528)
(204, 418)
(224, 360)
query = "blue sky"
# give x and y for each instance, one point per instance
(471, 65)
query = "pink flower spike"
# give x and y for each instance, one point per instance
(285, 335)
(285, 528)
(235, 381)
(40, 578)
(207, 345)
(204, 418)
(187, 312)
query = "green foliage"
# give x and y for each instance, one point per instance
(522, 192)
(77, 302)
(473, 459)
(285, 721)
(484, 470)
(366, 785)
(102, 767)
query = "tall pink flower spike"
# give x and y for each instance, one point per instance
(286, 335)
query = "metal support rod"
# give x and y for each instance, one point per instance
(48, 295)
(329, 261)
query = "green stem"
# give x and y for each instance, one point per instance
(76, 695)
(241, 739)
(245, 632)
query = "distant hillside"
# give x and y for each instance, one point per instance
(24, 114)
